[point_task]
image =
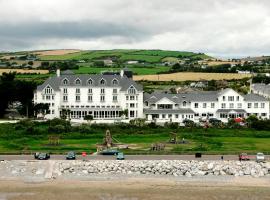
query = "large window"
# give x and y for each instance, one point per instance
(223, 105)
(114, 98)
(65, 81)
(65, 98)
(255, 105)
(102, 91)
(249, 105)
(90, 91)
(90, 98)
(212, 105)
(78, 91)
(65, 90)
(231, 105)
(204, 105)
(114, 91)
(184, 103)
(48, 90)
(78, 82)
(115, 82)
(230, 98)
(131, 90)
(102, 82)
(239, 105)
(196, 105)
(78, 98)
(90, 82)
(102, 98)
(165, 106)
(262, 105)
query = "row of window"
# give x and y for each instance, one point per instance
(256, 105)
(90, 98)
(87, 106)
(231, 98)
(166, 116)
(89, 82)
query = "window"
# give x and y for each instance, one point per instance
(231, 105)
(90, 91)
(131, 113)
(78, 82)
(65, 98)
(196, 114)
(90, 82)
(176, 116)
(115, 82)
(127, 98)
(65, 90)
(212, 105)
(237, 98)
(132, 105)
(48, 90)
(184, 103)
(48, 97)
(255, 105)
(262, 105)
(249, 105)
(102, 82)
(65, 81)
(52, 111)
(114, 91)
(196, 105)
(230, 98)
(78, 91)
(224, 98)
(102, 98)
(52, 97)
(131, 90)
(204, 105)
(223, 105)
(131, 98)
(78, 98)
(163, 116)
(114, 98)
(90, 98)
(263, 114)
(52, 104)
(102, 91)
(239, 105)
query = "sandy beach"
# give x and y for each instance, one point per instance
(138, 188)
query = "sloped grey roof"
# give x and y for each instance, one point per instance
(180, 97)
(254, 97)
(123, 82)
(168, 111)
(229, 110)
(261, 87)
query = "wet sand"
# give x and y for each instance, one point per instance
(138, 188)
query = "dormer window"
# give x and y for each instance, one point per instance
(115, 82)
(131, 90)
(65, 81)
(48, 90)
(90, 82)
(78, 82)
(102, 82)
(184, 103)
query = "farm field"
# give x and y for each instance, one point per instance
(191, 76)
(17, 138)
(24, 71)
(136, 70)
(149, 56)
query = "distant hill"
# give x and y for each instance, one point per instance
(258, 58)
(149, 56)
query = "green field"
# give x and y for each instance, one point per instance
(136, 70)
(149, 56)
(34, 137)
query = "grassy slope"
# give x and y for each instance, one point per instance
(151, 56)
(225, 141)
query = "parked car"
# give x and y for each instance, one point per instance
(43, 156)
(36, 155)
(120, 156)
(109, 152)
(244, 156)
(71, 155)
(260, 157)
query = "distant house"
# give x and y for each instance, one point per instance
(108, 62)
(130, 62)
(243, 72)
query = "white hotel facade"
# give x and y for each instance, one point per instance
(105, 96)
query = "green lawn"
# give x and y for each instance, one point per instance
(16, 138)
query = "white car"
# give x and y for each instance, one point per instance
(260, 157)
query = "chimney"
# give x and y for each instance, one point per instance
(122, 73)
(58, 73)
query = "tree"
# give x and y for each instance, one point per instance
(65, 113)
(251, 120)
(41, 108)
(124, 113)
(89, 118)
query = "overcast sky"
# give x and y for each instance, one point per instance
(226, 28)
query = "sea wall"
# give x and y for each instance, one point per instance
(54, 169)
